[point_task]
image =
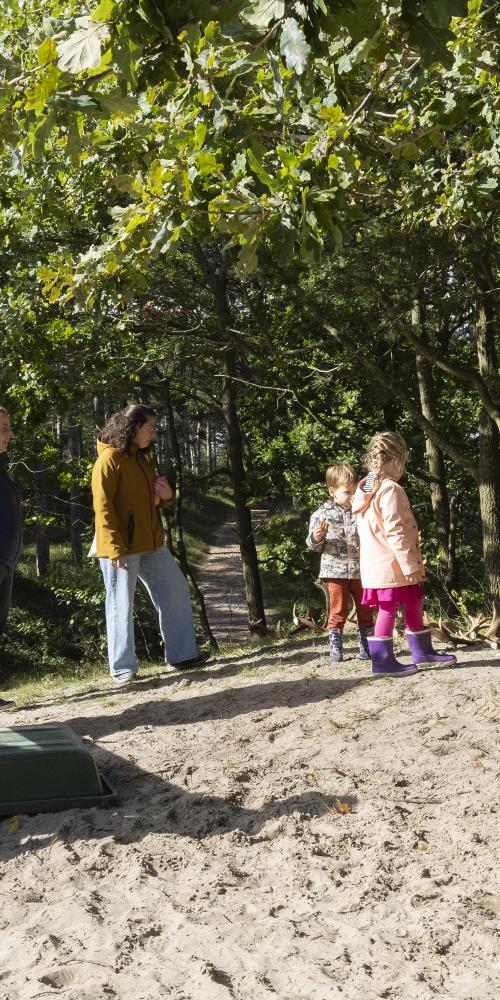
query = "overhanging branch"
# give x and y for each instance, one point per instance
(467, 375)
(432, 432)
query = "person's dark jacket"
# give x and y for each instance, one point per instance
(10, 520)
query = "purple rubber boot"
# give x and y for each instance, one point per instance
(422, 651)
(384, 663)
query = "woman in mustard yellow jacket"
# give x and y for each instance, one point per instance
(131, 546)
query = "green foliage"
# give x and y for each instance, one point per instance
(283, 547)
(335, 105)
(324, 158)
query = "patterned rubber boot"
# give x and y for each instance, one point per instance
(422, 651)
(384, 663)
(336, 647)
(363, 633)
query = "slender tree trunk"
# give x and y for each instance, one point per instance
(234, 445)
(489, 450)
(251, 574)
(199, 435)
(42, 543)
(248, 451)
(40, 502)
(181, 548)
(436, 467)
(99, 410)
(390, 412)
(213, 453)
(452, 541)
(75, 492)
(208, 444)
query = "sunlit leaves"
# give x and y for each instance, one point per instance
(294, 46)
(104, 11)
(82, 49)
(196, 127)
(46, 85)
(261, 13)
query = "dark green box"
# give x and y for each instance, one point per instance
(46, 768)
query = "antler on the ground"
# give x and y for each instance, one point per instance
(447, 631)
(310, 620)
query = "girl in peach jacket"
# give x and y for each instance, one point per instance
(392, 571)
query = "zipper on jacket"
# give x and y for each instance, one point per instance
(130, 527)
(346, 532)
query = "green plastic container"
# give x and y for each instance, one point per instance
(47, 768)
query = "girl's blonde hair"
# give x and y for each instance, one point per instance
(383, 447)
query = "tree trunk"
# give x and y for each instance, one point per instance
(489, 452)
(251, 575)
(435, 460)
(75, 492)
(453, 571)
(391, 413)
(181, 548)
(99, 410)
(42, 543)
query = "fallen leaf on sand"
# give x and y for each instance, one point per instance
(421, 845)
(342, 807)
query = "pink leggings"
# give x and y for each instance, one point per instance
(412, 610)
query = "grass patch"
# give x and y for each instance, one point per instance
(61, 686)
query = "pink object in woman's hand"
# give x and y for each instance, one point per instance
(162, 482)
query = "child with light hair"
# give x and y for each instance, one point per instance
(392, 569)
(333, 533)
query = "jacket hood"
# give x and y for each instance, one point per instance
(102, 446)
(361, 501)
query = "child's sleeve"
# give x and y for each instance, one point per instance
(400, 529)
(314, 523)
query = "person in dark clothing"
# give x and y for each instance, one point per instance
(10, 527)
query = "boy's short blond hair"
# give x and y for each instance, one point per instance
(340, 474)
(383, 447)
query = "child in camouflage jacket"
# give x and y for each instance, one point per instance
(333, 533)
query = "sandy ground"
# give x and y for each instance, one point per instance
(288, 828)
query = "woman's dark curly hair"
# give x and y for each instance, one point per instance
(119, 430)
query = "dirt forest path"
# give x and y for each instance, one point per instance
(220, 578)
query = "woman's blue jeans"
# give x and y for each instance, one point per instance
(169, 592)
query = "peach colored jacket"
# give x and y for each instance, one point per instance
(388, 536)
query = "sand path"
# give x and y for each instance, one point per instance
(288, 828)
(221, 580)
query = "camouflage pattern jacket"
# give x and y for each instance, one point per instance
(340, 546)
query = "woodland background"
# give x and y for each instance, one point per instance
(274, 222)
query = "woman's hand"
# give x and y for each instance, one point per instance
(413, 578)
(119, 563)
(163, 488)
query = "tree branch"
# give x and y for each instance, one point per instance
(457, 371)
(402, 394)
